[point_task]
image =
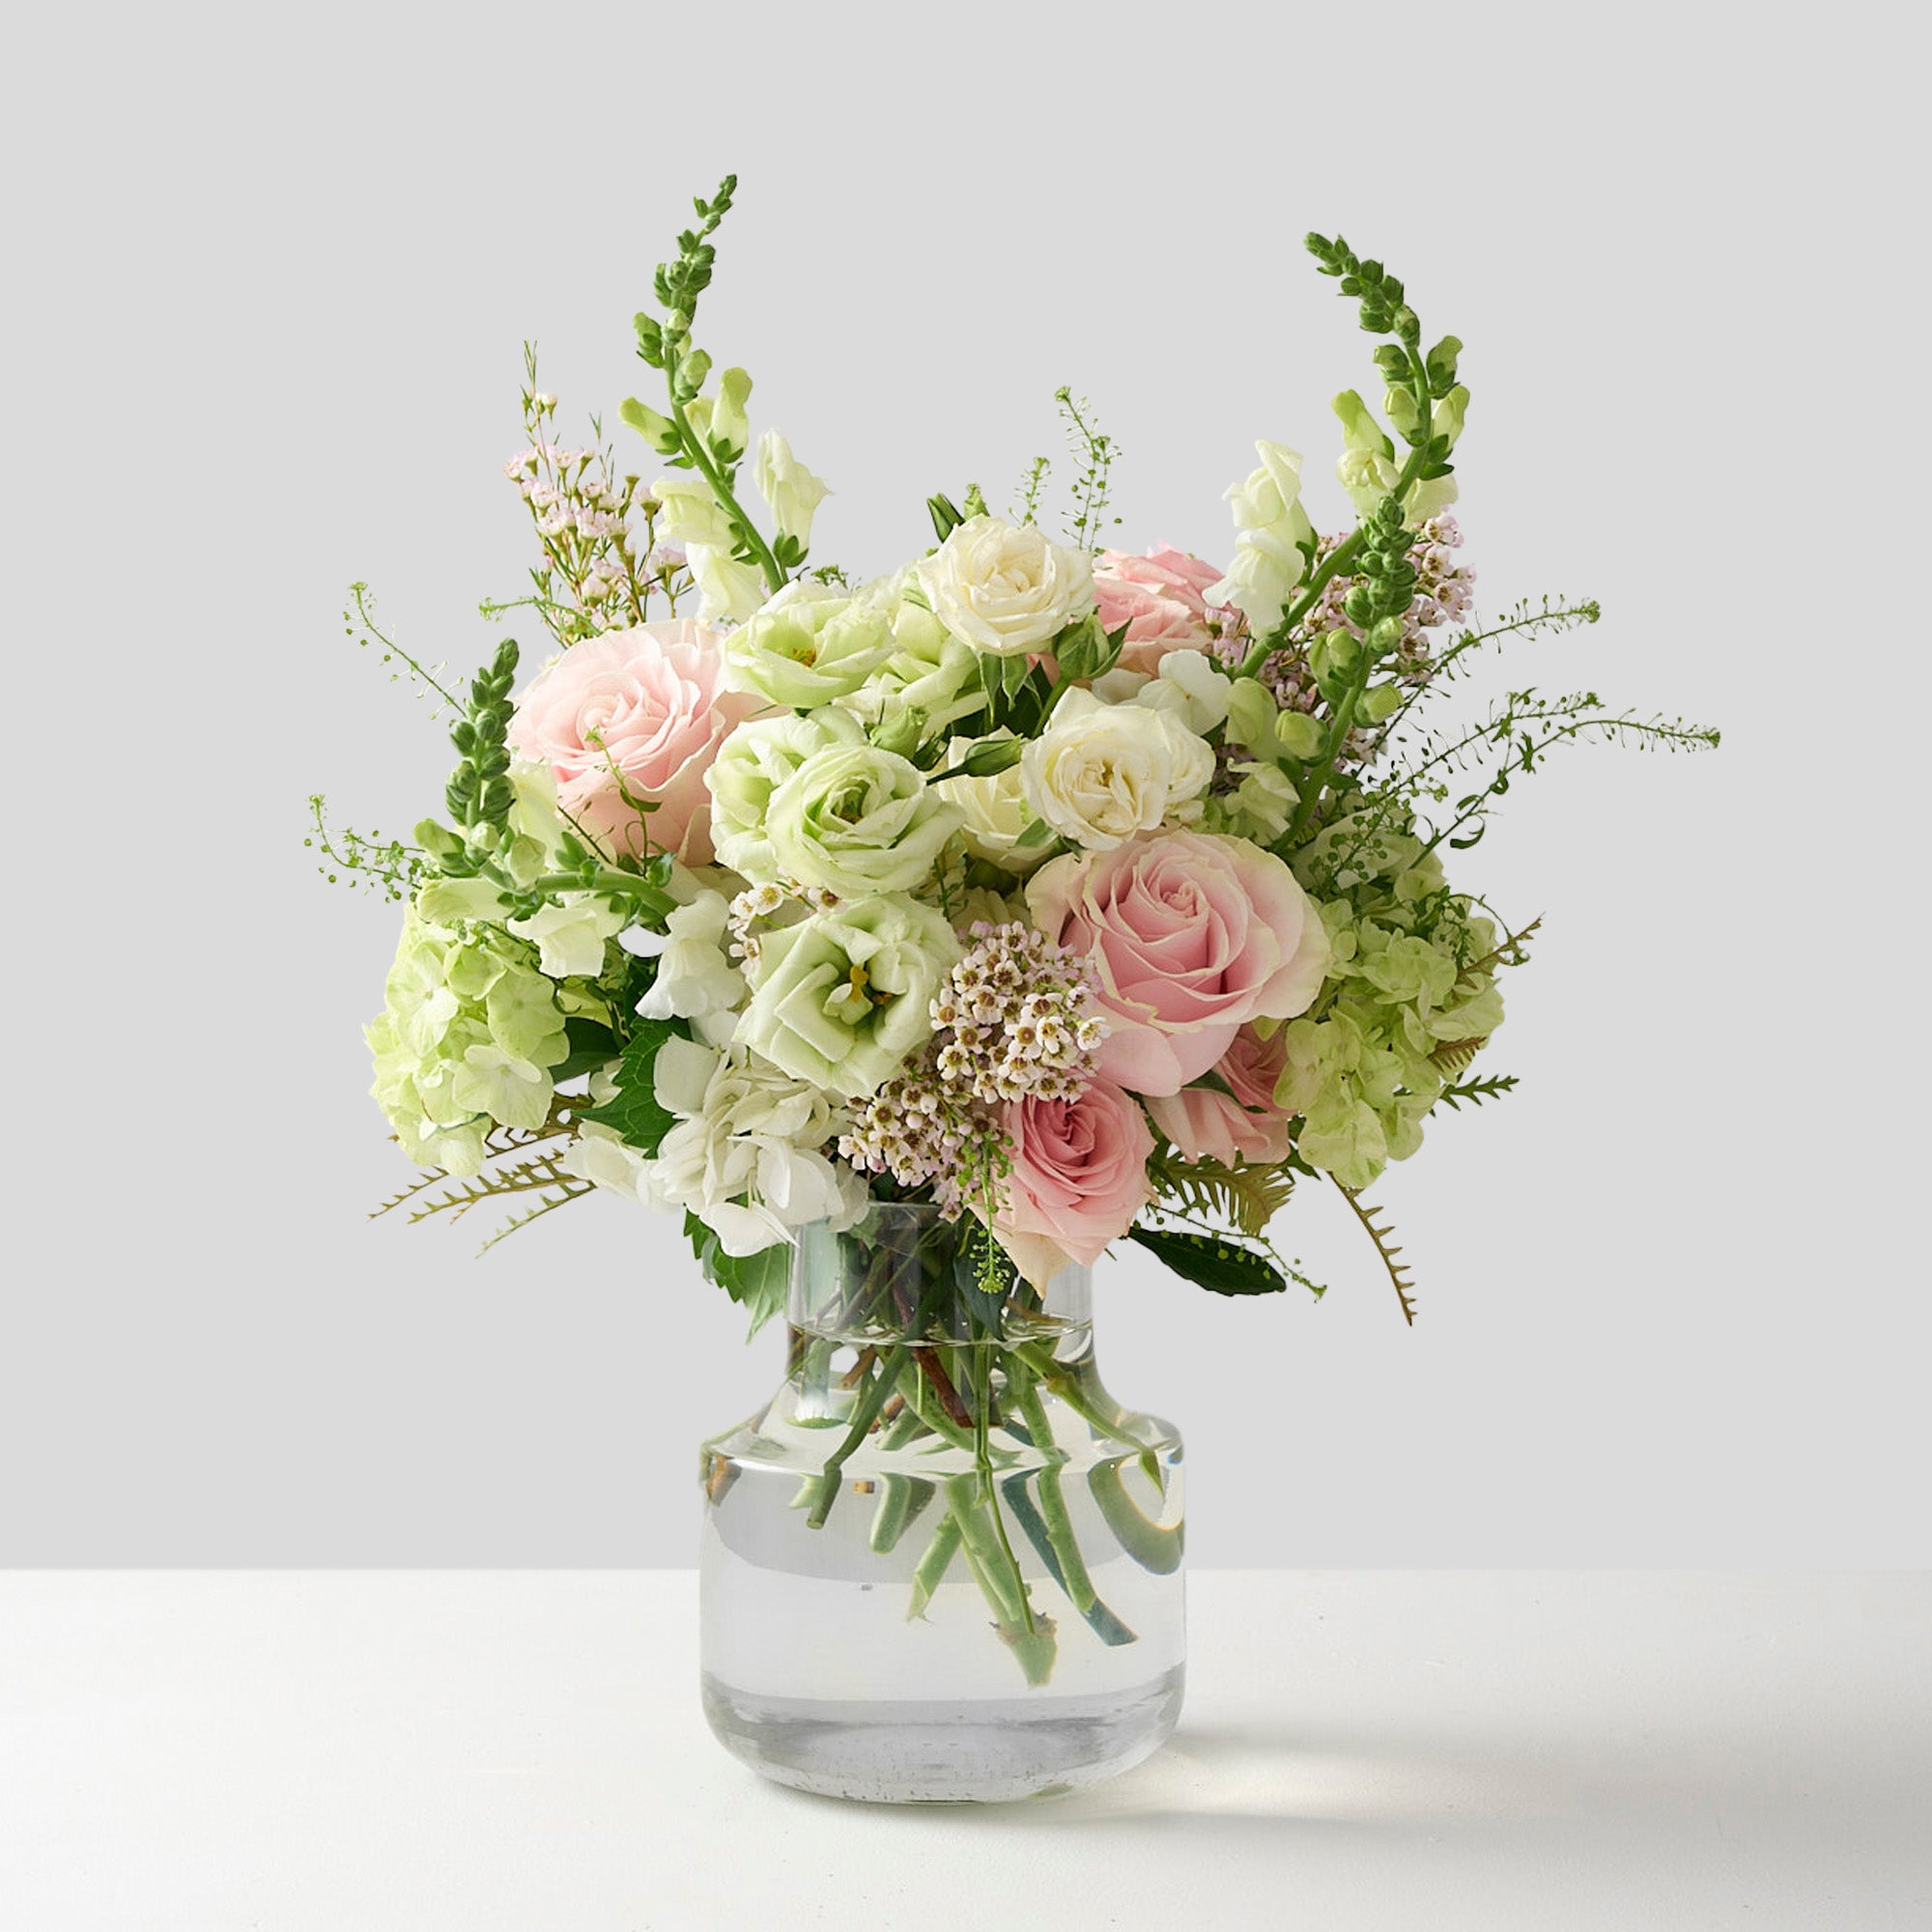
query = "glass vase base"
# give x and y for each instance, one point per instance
(908, 1752)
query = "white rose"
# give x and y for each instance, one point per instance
(751, 764)
(791, 489)
(1101, 773)
(996, 811)
(1005, 587)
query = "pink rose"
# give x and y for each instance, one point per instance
(647, 704)
(1244, 1123)
(1190, 935)
(1079, 1177)
(1159, 599)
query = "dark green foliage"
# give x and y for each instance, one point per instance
(635, 1111)
(1207, 1260)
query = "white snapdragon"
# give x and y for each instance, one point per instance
(570, 934)
(793, 490)
(1272, 530)
(745, 1155)
(1101, 773)
(688, 513)
(730, 591)
(695, 980)
(1006, 588)
(1189, 686)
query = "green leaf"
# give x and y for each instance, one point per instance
(634, 1111)
(1224, 1268)
(756, 1283)
(592, 1045)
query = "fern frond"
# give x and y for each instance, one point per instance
(1476, 1092)
(1247, 1196)
(430, 1176)
(526, 1176)
(1454, 1055)
(1398, 1272)
(568, 1190)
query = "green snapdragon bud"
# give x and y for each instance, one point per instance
(1403, 413)
(1379, 701)
(1297, 734)
(1252, 713)
(731, 429)
(659, 431)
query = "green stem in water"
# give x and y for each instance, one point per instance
(934, 1564)
(866, 1410)
(1059, 1524)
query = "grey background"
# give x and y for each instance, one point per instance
(270, 275)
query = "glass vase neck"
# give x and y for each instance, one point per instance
(905, 1273)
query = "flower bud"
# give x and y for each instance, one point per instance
(1400, 407)
(660, 432)
(1447, 419)
(1442, 361)
(1252, 715)
(1297, 734)
(1384, 635)
(1378, 703)
(730, 430)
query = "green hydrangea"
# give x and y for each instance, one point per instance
(469, 1032)
(1413, 974)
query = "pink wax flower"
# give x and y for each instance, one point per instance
(1190, 935)
(1243, 1124)
(1079, 1177)
(647, 704)
(1159, 599)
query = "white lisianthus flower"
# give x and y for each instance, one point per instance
(730, 591)
(1101, 773)
(929, 672)
(808, 646)
(1006, 588)
(569, 935)
(996, 813)
(1189, 686)
(856, 820)
(1272, 529)
(842, 998)
(793, 490)
(688, 513)
(746, 1155)
(696, 978)
(750, 765)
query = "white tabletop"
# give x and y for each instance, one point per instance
(359, 1751)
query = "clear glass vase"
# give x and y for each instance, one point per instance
(942, 1563)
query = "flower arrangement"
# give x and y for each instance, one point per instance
(1088, 895)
